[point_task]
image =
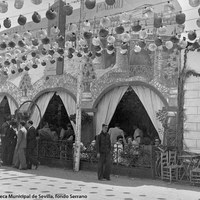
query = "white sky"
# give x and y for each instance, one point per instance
(29, 7)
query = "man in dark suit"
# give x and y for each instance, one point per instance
(103, 145)
(31, 144)
(5, 126)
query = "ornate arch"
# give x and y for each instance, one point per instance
(130, 83)
(9, 89)
(65, 82)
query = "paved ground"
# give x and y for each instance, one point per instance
(53, 183)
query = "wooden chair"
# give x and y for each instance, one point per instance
(169, 167)
(195, 174)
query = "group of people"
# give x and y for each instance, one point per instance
(115, 137)
(51, 133)
(18, 141)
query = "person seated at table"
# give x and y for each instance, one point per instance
(69, 134)
(118, 148)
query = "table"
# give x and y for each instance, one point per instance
(188, 162)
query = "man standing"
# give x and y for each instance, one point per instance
(5, 126)
(103, 145)
(11, 140)
(115, 132)
(31, 144)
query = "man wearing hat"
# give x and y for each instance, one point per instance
(103, 146)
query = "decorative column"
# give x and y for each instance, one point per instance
(121, 60)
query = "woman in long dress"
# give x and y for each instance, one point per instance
(20, 158)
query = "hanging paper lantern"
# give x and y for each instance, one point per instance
(27, 35)
(71, 50)
(24, 57)
(198, 22)
(43, 63)
(142, 43)
(36, 2)
(21, 20)
(47, 46)
(68, 9)
(180, 18)
(124, 17)
(12, 71)
(123, 51)
(97, 54)
(169, 7)
(55, 30)
(21, 43)
(105, 22)
(103, 33)
(36, 17)
(60, 58)
(52, 61)
(192, 35)
(157, 22)
(152, 47)
(174, 39)
(109, 52)
(33, 54)
(125, 37)
(169, 44)
(5, 37)
(86, 26)
(44, 51)
(111, 39)
(26, 68)
(35, 42)
(51, 14)
(34, 66)
(194, 3)
(73, 28)
(136, 27)
(119, 29)
(143, 34)
(7, 62)
(69, 56)
(13, 61)
(17, 52)
(90, 54)
(7, 23)
(18, 4)
(3, 45)
(137, 48)
(3, 6)
(79, 54)
(158, 41)
(11, 44)
(87, 35)
(85, 50)
(148, 12)
(110, 47)
(60, 39)
(51, 52)
(71, 37)
(16, 37)
(45, 40)
(97, 48)
(20, 70)
(162, 30)
(90, 4)
(110, 2)
(60, 51)
(82, 42)
(96, 41)
(124, 45)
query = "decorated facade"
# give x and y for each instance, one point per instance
(138, 49)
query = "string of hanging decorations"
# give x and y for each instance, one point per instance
(21, 52)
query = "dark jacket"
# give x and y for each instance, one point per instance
(11, 137)
(31, 138)
(5, 126)
(103, 143)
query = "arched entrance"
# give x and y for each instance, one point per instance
(56, 105)
(8, 106)
(151, 99)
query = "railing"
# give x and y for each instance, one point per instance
(141, 156)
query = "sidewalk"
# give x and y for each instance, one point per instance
(48, 183)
